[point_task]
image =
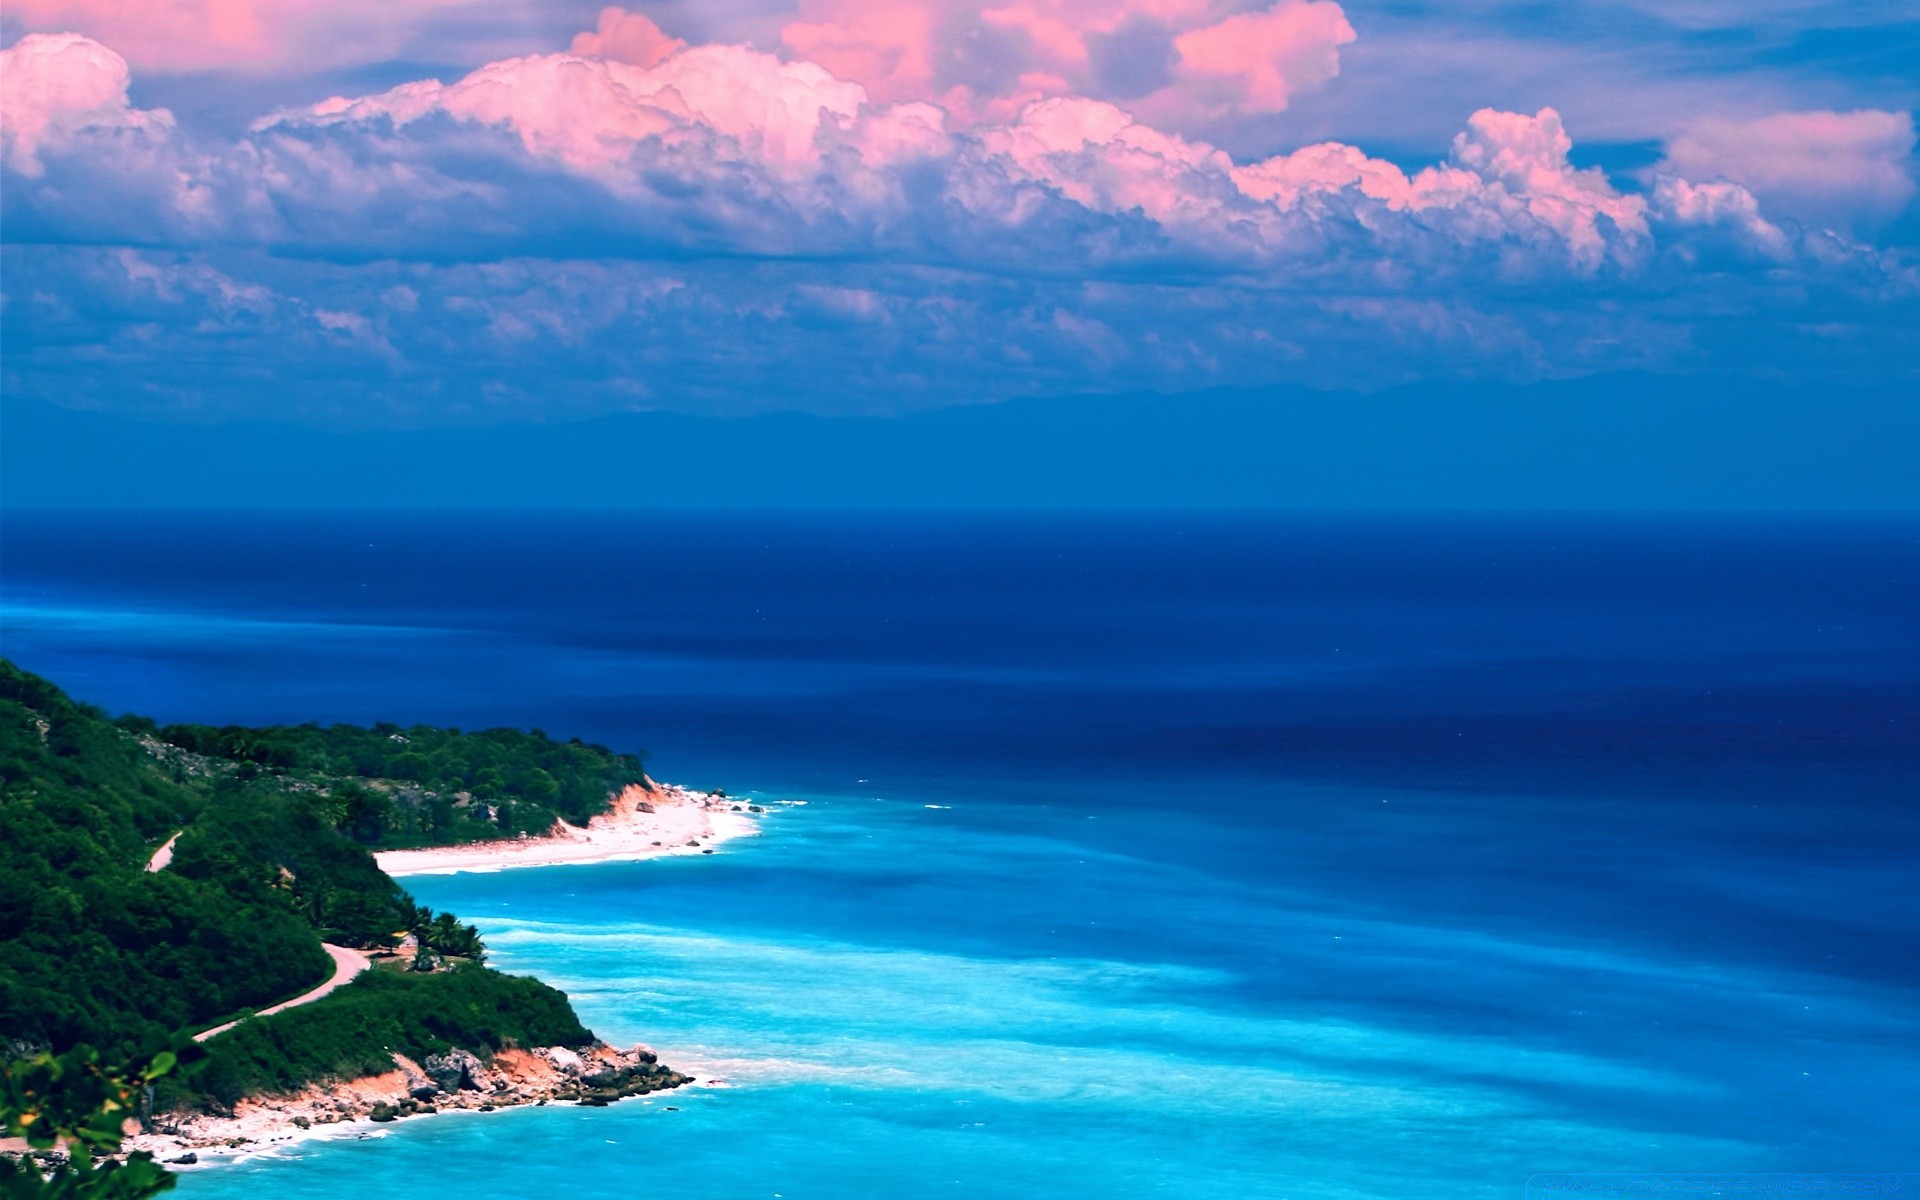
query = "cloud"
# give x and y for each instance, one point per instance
(721, 149)
(1177, 62)
(241, 35)
(54, 88)
(628, 37)
(724, 228)
(1846, 170)
(1255, 61)
(1509, 177)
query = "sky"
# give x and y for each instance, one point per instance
(416, 214)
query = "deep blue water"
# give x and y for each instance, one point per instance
(1273, 856)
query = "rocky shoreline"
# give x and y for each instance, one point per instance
(457, 1080)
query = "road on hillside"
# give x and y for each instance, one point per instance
(346, 964)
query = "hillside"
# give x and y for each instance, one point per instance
(272, 858)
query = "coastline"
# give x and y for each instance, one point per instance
(457, 1081)
(647, 820)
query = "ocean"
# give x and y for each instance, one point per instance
(1156, 855)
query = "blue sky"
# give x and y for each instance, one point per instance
(421, 213)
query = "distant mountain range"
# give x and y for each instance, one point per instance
(1621, 442)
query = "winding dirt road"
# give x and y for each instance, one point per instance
(346, 964)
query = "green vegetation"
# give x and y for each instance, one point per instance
(356, 1030)
(93, 948)
(79, 1103)
(272, 857)
(393, 788)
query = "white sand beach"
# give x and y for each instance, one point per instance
(646, 821)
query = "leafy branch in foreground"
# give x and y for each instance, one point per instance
(81, 1103)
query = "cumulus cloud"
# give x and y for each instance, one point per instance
(54, 88)
(628, 37)
(1509, 179)
(1846, 170)
(707, 226)
(724, 149)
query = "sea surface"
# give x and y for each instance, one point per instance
(1318, 858)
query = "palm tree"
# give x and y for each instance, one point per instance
(446, 935)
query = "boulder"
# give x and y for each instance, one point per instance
(457, 1070)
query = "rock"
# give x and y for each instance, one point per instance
(185, 1160)
(457, 1070)
(302, 1123)
(383, 1113)
(425, 1091)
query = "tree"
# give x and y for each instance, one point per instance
(367, 814)
(446, 935)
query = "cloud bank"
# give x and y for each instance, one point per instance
(1845, 170)
(639, 222)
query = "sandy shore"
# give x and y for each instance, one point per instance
(645, 822)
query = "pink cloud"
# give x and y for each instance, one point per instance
(1264, 57)
(1174, 61)
(245, 35)
(592, 113)
(1509, 176)
(629, 37)
(1100, 158)
(726, 148)
(1839, 169)
(567, 212)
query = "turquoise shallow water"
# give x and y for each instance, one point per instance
(913, 1001)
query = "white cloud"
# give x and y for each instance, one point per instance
(56, 86)
(1846, 170)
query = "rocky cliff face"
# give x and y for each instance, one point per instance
(457, 1079)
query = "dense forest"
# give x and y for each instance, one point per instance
(272, 857)
(392, 788)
